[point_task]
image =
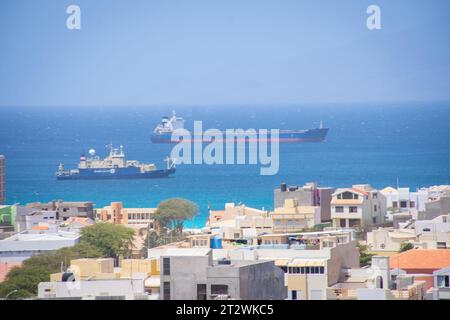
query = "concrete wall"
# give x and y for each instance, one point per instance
(185, 273)
(126, 288)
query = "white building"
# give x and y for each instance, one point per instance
(435, 232)
(358, 206)
(100, 289)
(25, 244)
(402, 199)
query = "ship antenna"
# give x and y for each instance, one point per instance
(321, 124)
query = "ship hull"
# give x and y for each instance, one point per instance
(120, 173)
(285, 136)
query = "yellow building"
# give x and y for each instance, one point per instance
(116, 213)
(291, 217)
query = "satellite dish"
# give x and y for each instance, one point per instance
(91, 152)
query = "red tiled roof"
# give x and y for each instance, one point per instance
(423, 259)
(360, 191)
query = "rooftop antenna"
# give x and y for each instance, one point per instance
(398, 183)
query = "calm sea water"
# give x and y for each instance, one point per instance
(373, 144)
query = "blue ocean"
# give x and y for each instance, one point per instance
(380, 144)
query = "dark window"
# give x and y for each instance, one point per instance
(201, 291)
(294, 294)
(339, 209)
(166, 288)
(347, 195)
(302, 270)
(394, 204)
(374, 207)
(412, 204)
(353, 209)
(322, 269)
(403, 204)
(219, 289)
(307, 270)
(166, 266)
(374, 220)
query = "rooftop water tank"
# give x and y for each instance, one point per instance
(216, 243)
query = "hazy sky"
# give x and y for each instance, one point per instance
(202, 52)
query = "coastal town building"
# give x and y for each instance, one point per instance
(237, 223)
(117, 214)
(421, 263)
(2, 180)
(423, 234)
(376, 283)
(99, 279)
(292, 217)
(308, 195)
(360, 206)
(311, 261)
(402, 199)
(389, 240)
(436, 207)
(65, 209)
(41, 239)
(441, 288)
(434, 233)
(191, 274)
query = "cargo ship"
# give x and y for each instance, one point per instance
(115, 166)
(163, 133)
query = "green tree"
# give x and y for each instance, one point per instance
(173, 213)
(152, 240)
(22, 282)
(365, 258)
(99, 240)
(110, 239)
(405, 246)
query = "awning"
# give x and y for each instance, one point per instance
(282, 262)
(306, 263)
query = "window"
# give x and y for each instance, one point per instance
(166, 266)
(403, 204)
(294, 294)
(375, 207)
(166, 288)
(394, 204)
(219, 289)
(374, 220)
(347, 195)
(339, 209)
(375, 195)
(339, 196)
(443, 281)
(302, 270)
(412, 204)
(201, 291)
(353, 209)
(236, 235)
(322, 270)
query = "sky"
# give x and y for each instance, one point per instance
(205, 52)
